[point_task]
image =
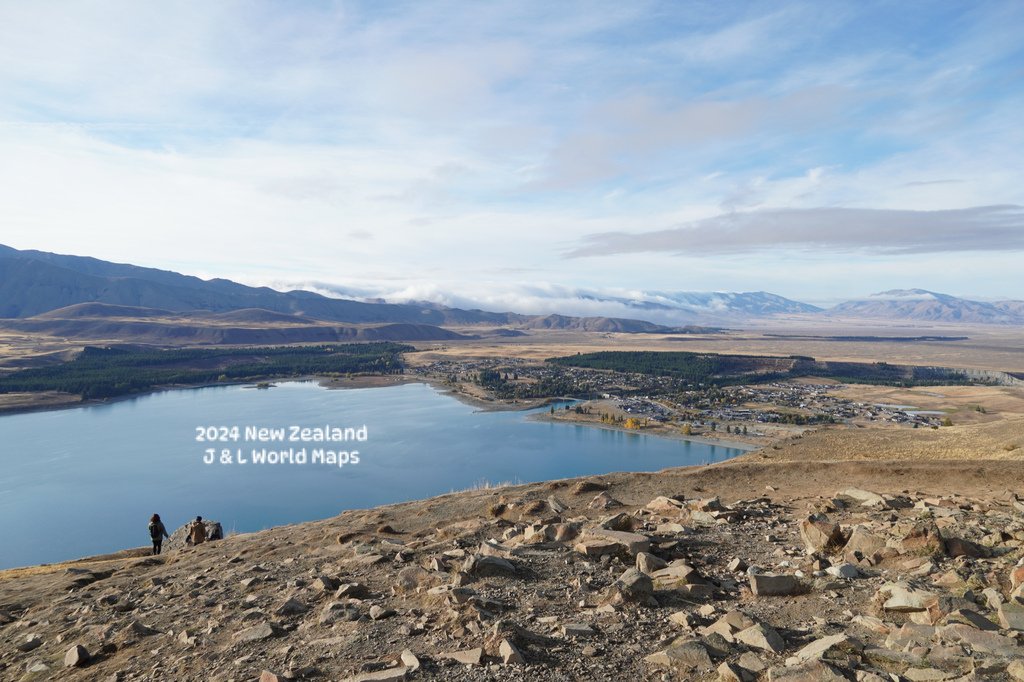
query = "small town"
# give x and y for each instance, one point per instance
(643, 400)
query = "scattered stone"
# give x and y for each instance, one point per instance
(389, 675)
(959, 547)
(1017, 575)
(325, 583)
(684, 619)
(775, 585)
(557, 505)
(683, 655)
(143, 630)
(827, 647)
(927, 675)
(941, 608)
(595, 548)
(972, 618)
(924, 539)
(492, 548)
(30, 643)
(488, 566)
(844, 570)
(352, 591)
(621, 522)
(864, 541)
(676, 575)
(410, 660)
(338, 611)
(632, 587)
(604, 501)
(76, 656)
(812, 671)
(981, 641)
(291, 607)
(820, 535)
(1011, 616)
(411, 578)
(875, 625)
(729, 672)
(761, 637)
(865, 497)
(752, 662)
(902, 598)
(665, 505)
(257, 633)
(648, 563)
(468, 657)
(993, 597)
(632, 543)
(380, 613)
(510, 654)
(578, 630)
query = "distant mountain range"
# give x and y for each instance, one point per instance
(46, 292)
(922, 305)
(58, 294)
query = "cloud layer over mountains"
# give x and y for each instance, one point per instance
(881, 231)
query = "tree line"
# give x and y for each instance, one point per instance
(711, 369)
(101, 372)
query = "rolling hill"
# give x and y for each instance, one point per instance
(187, 330)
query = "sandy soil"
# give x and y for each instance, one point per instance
(18, 402)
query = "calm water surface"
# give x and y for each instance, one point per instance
(85, 481)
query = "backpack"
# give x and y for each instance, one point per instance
(154, 531)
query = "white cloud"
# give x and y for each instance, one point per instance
(475, 141)
(880, 231)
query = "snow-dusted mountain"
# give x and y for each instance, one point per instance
(704, 304)
(748, 303)
(923, 305)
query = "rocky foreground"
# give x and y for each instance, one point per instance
(572, 580)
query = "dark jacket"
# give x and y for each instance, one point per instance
(157, 530)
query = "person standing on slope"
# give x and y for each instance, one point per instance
(197, 532)
(157, 532)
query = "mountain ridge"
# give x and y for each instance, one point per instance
(36, 283)
(925, 305)
(33, 283)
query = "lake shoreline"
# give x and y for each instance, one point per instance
(662, 433)
(328, 382)
(117, 465)
(385, 381)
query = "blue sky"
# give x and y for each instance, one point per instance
(514, 155)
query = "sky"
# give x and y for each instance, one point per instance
(532, 156)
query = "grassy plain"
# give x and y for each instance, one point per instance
(987, 347)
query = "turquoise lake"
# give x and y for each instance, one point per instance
(85, 481)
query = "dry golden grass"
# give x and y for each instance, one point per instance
(18, 347)
(22, 401)
(987, 347)
(997, 440)
(963, 404)
(93, 563)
